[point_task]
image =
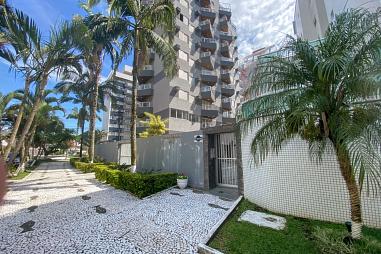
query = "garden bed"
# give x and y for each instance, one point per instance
(299, 236)
(139, 184)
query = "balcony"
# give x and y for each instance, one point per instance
(227, 104)
(142, 107)
(226, 49)
(207, 13)
(226, 36)
(225, 11)
(208, 77)
(227, 90)
(208, 44)
(207, 60)
(228, 117)
(207, 93)
(145, 90)
(206, 28)
(224, 24)
(146, 73)
(227, 62)
(209, 111)
(206, 3)
(226, 76)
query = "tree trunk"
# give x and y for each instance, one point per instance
(82, 131)
(29, 121)
(16, 127)
(133, 106)
(353, 190)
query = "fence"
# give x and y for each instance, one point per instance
(292, 183)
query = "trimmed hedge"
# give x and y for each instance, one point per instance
(141, 185)
(84, 167)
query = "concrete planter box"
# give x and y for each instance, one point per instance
(182, 183)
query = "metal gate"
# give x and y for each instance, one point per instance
(226, 159)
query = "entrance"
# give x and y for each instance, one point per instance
(226, 160)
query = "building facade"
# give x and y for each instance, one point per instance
(312, 17)
(204, 93)
(117, 116)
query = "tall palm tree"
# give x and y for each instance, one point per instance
(49, 58)
(144, 21)
(327, 93)
(96, 40)
(22, 37)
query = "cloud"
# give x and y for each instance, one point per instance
(261, 23)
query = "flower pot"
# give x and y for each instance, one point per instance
(182, 183)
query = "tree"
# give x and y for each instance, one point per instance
(327, 93)
(95, 37)
(156, 126)
(144, 21)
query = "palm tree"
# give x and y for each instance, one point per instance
(144, 21)
(156, 126)
(327, 93)
(97, 39)
(23, 37)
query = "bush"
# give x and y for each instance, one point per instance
(139, 184)
(85, 167)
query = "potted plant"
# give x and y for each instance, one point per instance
(182, 181)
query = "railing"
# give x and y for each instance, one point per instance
(225, 72)
(205, 22)
(225, 7)
(205, 54)
(225, 33)
(208, 40)
(144, 104)
(226, 59)
(206, 72)
(209, 107)
(224, 18)
(206, 89)
(207, 9)
(227, 86)
(147, 68)
(226, 100)
(145, 86)
(228, 114)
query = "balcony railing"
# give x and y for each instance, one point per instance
(209, 107)
(206, 72)
(147, 68)
(208, 40)
(207, 9)
(226, 100)
(144, 104)
(205, 54)
(227, 86)
(225, 8)
(205, 22)
(228, 114)
(145, 86)
(225, 72)
(206, 89)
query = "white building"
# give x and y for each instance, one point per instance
(312, 17)
(117, 117)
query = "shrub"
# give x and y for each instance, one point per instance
(139, 184)
(73, 160)
(85, 167)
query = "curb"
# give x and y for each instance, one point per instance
(202, 247)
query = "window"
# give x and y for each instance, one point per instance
(183, 55)
(182, 95)
(184, 19)
(181, 114)
(183, 36)
(173, 112)
(183, 75)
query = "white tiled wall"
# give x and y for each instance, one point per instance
(292, 183)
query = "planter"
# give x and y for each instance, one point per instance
(182, 183)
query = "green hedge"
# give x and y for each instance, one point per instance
(83, 166)
(141, 185)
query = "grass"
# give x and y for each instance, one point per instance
(297, 237)
(20, 176)
(28, 170)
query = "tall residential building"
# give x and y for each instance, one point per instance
(204, 93)
(312, 17)
(117, 116)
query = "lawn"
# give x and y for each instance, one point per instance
(20, 175)
(297, 237)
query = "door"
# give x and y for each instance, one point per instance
(226, 160)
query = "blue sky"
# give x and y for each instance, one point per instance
(259, 23)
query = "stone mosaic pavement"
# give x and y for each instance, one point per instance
(57, 209)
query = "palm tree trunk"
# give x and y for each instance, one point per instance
(82, 131)
(16, 127)
(353, 190)
(133, 106)
(95, 73)
(29, 121)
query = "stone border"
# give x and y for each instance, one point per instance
(202, 247)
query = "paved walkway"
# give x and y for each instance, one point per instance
(57, 209)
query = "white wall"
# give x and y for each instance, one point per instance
(291, 183)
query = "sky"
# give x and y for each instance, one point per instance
(259, 23)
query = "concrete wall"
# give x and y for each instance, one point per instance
(175, 153)
(292, 183)
(108, 151)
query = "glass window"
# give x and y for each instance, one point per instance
(173, 112)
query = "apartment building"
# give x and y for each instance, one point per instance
(117, 116)
(204, 93)
(312, 17)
